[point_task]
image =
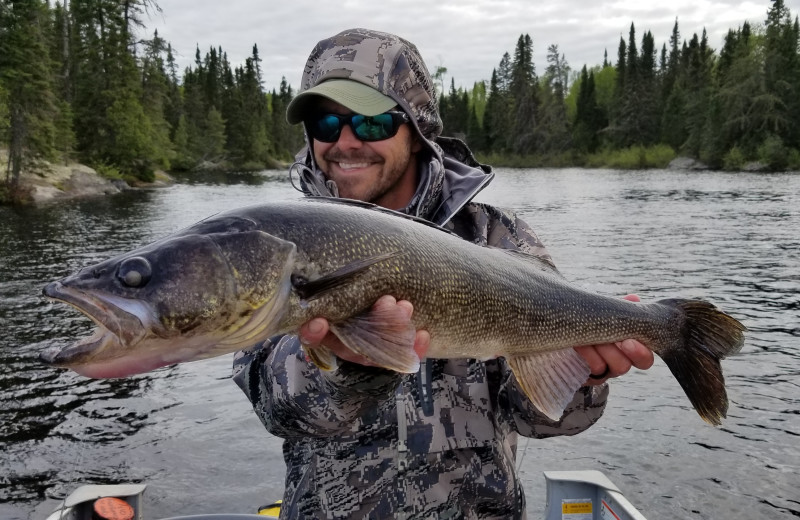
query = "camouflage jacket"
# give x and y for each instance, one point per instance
(368, 443)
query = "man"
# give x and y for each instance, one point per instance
(365, 442)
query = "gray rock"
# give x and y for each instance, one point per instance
(686, 163)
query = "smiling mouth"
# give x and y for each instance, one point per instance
(353, 166)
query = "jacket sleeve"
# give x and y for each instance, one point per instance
(506, 230)
(294, 398)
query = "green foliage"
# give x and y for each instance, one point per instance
(213, 141)
(76, 83)
(632, 158)
(132, 145)
(26, 75)
(774, 153)
(794, 159)
(108, 171)
(734, 160)
(4, 114)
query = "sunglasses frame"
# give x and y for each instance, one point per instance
(399, 118)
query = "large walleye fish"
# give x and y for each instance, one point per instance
(242, 276)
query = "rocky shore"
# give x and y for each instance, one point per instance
(70, 181)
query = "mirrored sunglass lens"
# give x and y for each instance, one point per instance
(327, 128)
(374, 128)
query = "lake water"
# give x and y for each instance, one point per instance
(189, 433)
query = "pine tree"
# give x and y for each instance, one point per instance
(697, 90)
(28, 84)
(156, 98)
(781, 73)
(554, 126)
(589, 118)
(455, 112)
(524, 93)
(498, 121)
(111, 123)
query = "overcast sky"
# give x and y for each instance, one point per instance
(468, 37)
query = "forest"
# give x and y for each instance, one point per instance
(78, 83)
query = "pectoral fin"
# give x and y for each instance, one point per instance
(383, 336)
(550, 379)
(311, 289)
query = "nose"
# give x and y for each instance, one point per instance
(347, 139)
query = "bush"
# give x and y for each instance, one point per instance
(108, 171)
(774, 153)
(734, 160)
(794, 159)
(633, 158)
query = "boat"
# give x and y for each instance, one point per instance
(586, 495)
(571, 495)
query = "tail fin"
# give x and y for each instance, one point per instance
(708, 335)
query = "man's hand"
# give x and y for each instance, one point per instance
(316, 332)
(614, 359)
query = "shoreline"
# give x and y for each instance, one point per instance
(57, 182)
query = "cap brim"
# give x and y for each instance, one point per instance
(359, 98)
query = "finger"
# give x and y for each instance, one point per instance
(406, 306)
(422, 342)
(314, 331)
(618, 363)
(640, 356)
(385, 301)
(597, 364)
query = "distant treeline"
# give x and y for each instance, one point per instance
(725, 109)
(76, 83)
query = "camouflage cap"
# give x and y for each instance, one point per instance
(384, 62)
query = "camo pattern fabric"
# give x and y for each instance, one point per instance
(383, 61)
(363, 442)
(394, 67)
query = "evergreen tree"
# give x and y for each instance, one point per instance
(155, 99)
(454, 110)
(554, 126)
(589, 118)
(647, 96)
(697, 86)
(524, 93)
(27, 81)
(497, 121)
(288, 139)
(781, 73)
(108, 89)
(740, 114)
(673, 129)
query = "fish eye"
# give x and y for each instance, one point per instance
(134, 272)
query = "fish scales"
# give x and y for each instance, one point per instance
(241, 276)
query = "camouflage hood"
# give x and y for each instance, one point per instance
(450, 175)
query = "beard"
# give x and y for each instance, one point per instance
(385, 175)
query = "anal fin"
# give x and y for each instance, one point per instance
(550, 379)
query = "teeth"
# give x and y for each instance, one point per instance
(352, 166)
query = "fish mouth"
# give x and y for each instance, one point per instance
(121, 324)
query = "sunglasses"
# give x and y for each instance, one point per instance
(327, 128)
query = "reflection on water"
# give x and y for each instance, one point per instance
(189, 433)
